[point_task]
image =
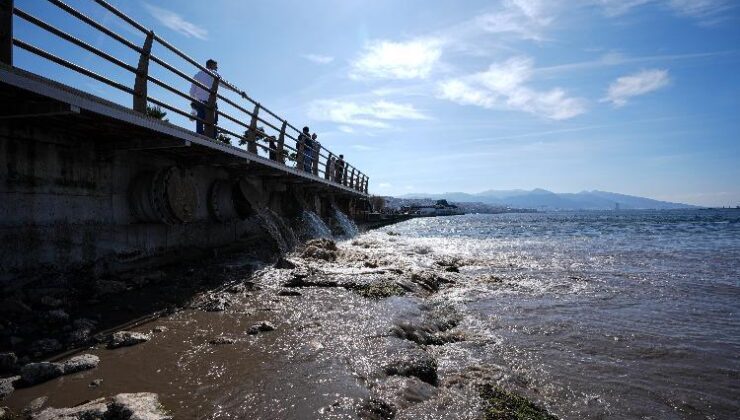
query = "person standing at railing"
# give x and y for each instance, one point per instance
(339, 169)
(300, 147)
(304, 150)
(200, 95)
(316, 153)
(328, 173)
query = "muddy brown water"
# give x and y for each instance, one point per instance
(325, 359)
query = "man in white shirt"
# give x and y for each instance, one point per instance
(200, 95)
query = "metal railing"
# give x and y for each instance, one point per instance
(265, 132)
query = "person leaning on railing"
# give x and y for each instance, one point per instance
(339, 169)
(200, 95)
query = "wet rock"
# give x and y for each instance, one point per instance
(323, 243)
(237, 288)
(259, 327)
(426, 334)
(370, 264)
(57, 316)
(301, 279)
(95, 383)
(127, 338)
(215, 302)
(110, 287)
(284, 264)
(6, 386)
(84, 323)
(93, 410)
(379, 290)
(79, 336)
(46, 345)
(429, 280)
(452, 269)
(51, 301)
(159, 329)
(319, 253)
(138, 406)
(36, 373)
(80, 363)
(289, 293)
(403, 392)
(35, 406)
(221, 340)
(417, 364)
(8, 362)
(375, 409)
(501, 404)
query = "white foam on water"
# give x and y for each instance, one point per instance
(346, 224)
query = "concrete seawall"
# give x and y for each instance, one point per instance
(69, 201)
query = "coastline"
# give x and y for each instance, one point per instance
(356, 334)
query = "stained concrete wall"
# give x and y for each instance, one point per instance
(64, 205)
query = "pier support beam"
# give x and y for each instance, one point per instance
(6, 32)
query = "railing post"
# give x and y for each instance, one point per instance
(211, 114)
(367, 184)
(252, 134)
(300, 149)
(142, 72)
(316, 157)
(352, 178)
(6, 32)
(281, 143)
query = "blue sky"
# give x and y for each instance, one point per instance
(632, 96)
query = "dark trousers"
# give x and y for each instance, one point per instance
(200, 111)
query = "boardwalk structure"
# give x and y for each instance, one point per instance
(87, 179)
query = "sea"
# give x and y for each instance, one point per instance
(602, 314)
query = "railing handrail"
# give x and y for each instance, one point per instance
(307, 156)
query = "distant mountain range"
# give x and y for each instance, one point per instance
(548, 200)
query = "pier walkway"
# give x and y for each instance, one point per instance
(267, 139)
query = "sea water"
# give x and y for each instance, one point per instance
(624, 314)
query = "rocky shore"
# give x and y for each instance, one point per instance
(330, 331)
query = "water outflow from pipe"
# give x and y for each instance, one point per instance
(277, 229)
(348, 227)
(312, 226)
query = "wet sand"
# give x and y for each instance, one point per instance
(354, 338)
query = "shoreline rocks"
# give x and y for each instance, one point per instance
(127, 338)
(133, 406)
(80, 363)
(263, 326)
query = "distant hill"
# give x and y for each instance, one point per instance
(548, 200)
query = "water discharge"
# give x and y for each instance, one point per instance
(348, 227)
(311, 226)
(278, 229)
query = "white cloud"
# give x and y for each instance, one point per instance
(318, 58)
(383, 59)
(640, 83)
(363, 148)
(372, 115)
(176, 22)
(705, 11)
(503, 86)
(384, 185)
(523, 18)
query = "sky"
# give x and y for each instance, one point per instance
(631, 96)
